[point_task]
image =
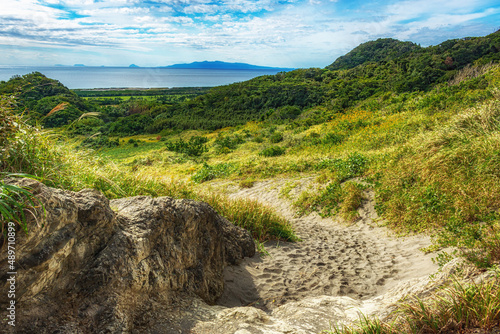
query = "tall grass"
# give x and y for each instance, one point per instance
(83, 170)
(448, 180)
(458, 308)
(16, 154)
(261, 220)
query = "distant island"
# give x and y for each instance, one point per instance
(216, 65)
(220, 65)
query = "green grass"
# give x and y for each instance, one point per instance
(431, 158)
(15, 203)
(353, 195)
(125, 151)
(81, 169)
(448, 180)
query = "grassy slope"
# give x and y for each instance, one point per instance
(430, 156)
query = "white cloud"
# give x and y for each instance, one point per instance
(306, 31)
(201, 9)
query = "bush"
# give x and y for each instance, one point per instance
(276, 137)
(354, 165)
(258, 139)
(224, 144)
(273, 151)
(194, 147)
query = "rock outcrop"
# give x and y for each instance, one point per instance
(97, 266)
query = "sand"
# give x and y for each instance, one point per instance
(359, 260)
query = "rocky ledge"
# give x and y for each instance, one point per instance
(90, 265)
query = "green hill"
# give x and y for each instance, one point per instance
(45, 100)
(372, 69)
(383, 49)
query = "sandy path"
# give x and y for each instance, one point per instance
(359, 261)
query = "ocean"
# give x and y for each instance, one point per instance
(132, 77)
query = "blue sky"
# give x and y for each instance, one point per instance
(284, 33)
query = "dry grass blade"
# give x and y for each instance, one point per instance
(89, 114)
(59, 107)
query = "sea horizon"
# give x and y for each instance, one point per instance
(115, 77)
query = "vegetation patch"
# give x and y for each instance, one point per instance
(353, 195)
(447, 181)
(460, 308)
(247, 183)
(272, 151)
(227, 143)
(100, 141)
(209, 172)
(195, 146)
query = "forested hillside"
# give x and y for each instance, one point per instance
(39, 97)
(373, 69)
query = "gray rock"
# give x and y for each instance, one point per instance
(97, 266)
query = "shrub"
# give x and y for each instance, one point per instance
(194, 147)
(276, 137)
(273, 151)
(258, 139)
(224, 144)
(354, 165)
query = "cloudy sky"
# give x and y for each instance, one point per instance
(285, 33)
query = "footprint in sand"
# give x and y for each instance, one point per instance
(358, 261)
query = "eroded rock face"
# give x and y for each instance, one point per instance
(114, 267)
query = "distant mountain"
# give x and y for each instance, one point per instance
(220, 65)
(133, 65)
(79, 65)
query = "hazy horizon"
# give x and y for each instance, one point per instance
(275, 33)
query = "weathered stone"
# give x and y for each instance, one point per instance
(88, 268)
